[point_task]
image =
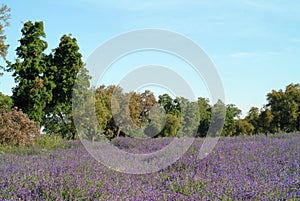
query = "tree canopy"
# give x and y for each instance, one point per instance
(4, 17)
(31, 93)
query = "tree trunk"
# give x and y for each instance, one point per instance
(74, 135)
(118, 131)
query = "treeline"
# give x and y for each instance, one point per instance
(141, 114)
(45, 92)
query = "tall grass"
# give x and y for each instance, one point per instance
(43, 143)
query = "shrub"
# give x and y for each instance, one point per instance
(16, 128)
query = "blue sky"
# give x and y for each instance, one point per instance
(254, 44)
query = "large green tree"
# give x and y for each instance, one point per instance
(32, 91)
(285, 108)
(292, 93)
(65, 64)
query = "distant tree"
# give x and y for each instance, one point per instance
(232, 114)
(189, 117)
(172, 125)
(121, 112)
(5, 100)
(4, 17)
(292, 93)
(173, 114)
(157, 121)
(276, 104)
(169, 105)
(265, 121)
(242, 126)
(31, 93)
(103, 106)
(285, 108)
(84, 109)
(218, 116)
(108, 108)
(135, 108)
(204, 116)
(147, 101)
(253, 118)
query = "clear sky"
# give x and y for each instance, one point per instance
(254, 44)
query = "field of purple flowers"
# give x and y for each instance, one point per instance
(239, 168)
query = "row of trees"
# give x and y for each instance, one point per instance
(140, 114)
(45, 85)
(131, 113)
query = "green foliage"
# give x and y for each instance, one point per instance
(189, 117)
(170, 106)
(285, 109)
(45, 82)
(147, 102)
(103, 105)
(127, 113)
(31, 93)
(243, 127)
(157, 121)
(253, 119)
(217, 119)
(265, 121)
(232, 114)
(120, 110)
(4, 16)
(135, 108)
(19, 150)
(42, 144)
(65, 64)
(173, 116)
(187, 187)
(50, 142)
(5, 100)
(172, 125)
(204, 116)
(83, 114)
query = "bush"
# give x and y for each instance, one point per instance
(16, 128)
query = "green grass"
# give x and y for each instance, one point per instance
(43, 144)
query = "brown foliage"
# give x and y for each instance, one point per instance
(16, 128)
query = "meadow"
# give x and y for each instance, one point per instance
(239, 168)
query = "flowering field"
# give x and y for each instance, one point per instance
(239, 168)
